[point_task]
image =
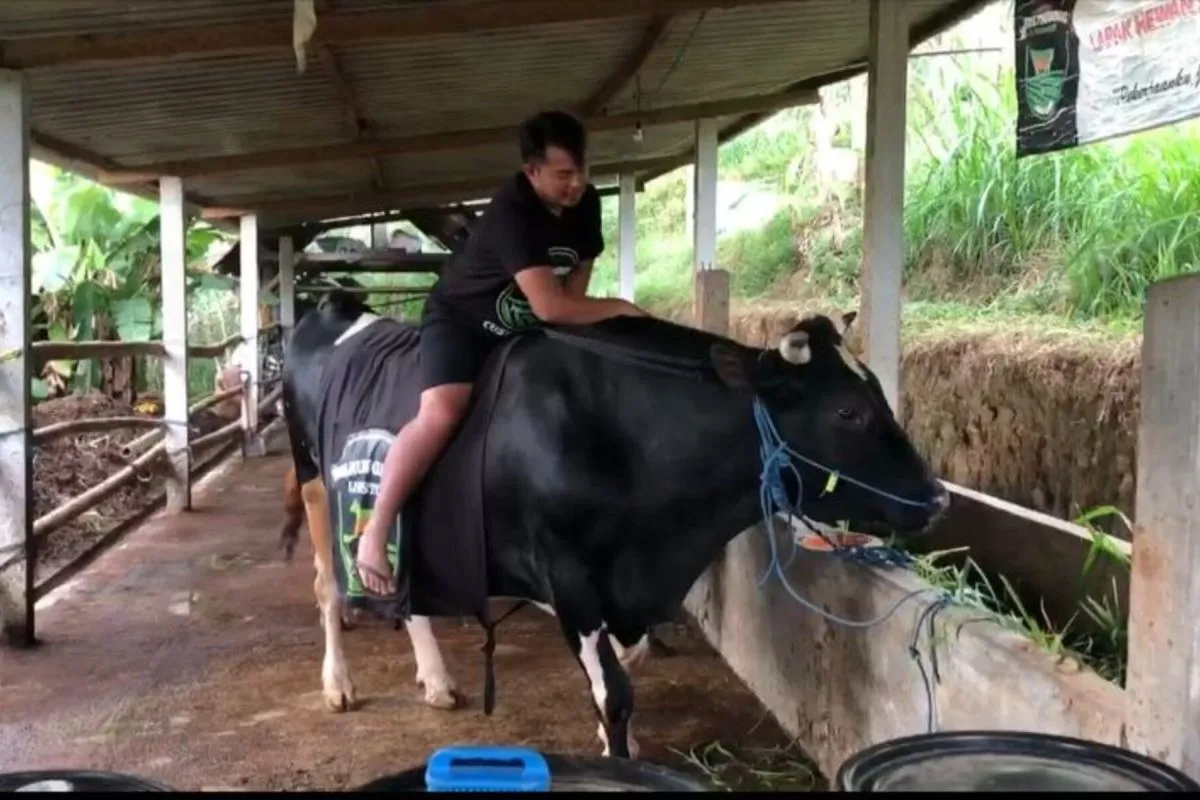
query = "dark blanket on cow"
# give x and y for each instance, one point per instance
(370, 388)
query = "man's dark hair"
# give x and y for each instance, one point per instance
(552, 129)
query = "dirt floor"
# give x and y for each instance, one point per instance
(190, 655)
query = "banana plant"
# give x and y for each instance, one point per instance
(96, 272)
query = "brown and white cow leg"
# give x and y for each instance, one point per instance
(336, 686)
(440, 689)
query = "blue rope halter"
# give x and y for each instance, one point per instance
(777, 457)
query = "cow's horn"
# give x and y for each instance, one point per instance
(794, 348)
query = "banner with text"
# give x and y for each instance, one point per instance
(1088, 70)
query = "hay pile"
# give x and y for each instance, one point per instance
(1047, 421)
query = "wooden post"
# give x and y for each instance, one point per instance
(249, 350)
(175, 341)
(287, 287)
(711, 304)
(1163, 679)
(627, 235)
(18, 551)
(883, 206)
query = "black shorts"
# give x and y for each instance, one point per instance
(452, 350)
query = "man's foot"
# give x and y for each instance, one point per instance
(374, 577)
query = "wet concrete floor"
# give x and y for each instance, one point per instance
(190, 655)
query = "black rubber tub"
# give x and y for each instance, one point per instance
(1004, 761)
(570, 774)
(70, 780)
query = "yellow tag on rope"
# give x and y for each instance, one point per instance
(831, 484)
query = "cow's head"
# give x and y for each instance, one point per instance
(830, 408)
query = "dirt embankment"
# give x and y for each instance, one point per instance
(1045, 421)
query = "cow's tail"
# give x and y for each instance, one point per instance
(303, 470)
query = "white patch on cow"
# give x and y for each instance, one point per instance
(440, 688)
(853, 363)
(794, 348)
(546, 607)
(589, 654)
(631, 657)
(359, 324)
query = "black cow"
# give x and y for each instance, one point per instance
(613, 482)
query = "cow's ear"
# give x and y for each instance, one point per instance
(846, 321)
(730, 366)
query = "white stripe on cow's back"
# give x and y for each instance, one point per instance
(359, 324)
(853, 363)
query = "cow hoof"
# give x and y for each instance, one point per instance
(634, 749)
(440, 692)
(338, 689)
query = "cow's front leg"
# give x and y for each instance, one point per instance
(579, 615)
(336, 686)
(440, 689)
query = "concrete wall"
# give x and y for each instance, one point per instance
(839, 689)
(1042, 556)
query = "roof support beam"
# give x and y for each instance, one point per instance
(416, 22)
(97, 168)
(603, 95)
(356, 121)
(454, 140)
(367, 202)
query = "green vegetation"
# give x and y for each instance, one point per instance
(96, 277)
(1100, 645)
(1074, 236)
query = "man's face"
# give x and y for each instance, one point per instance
(558, 180)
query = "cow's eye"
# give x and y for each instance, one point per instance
(846, 413)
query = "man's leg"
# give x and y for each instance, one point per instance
(417, 446)
(451, 355)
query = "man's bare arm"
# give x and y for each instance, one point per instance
(579, 278)
(551, 302)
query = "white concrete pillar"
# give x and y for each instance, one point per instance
(704, 235)
(249, 357)
(287, 287)
(18, 552)
(711, 285)
(627, 235)
(883, 207)
(175, 340)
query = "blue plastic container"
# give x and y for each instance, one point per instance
(484, 768)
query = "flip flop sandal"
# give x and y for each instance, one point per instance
(361, 567)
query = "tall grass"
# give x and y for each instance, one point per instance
(1090, 227)
(1080, 233)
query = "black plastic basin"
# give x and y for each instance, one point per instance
(1004, 761)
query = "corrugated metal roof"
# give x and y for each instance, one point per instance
(185, 107)
(20, 20)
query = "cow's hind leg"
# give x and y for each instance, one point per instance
(336, 685)
(579, 614)
(440, 689)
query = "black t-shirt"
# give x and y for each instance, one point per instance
(516, 231)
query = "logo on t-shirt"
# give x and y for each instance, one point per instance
(513, 310)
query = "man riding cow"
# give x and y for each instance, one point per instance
(529, 260)
(570, 451)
